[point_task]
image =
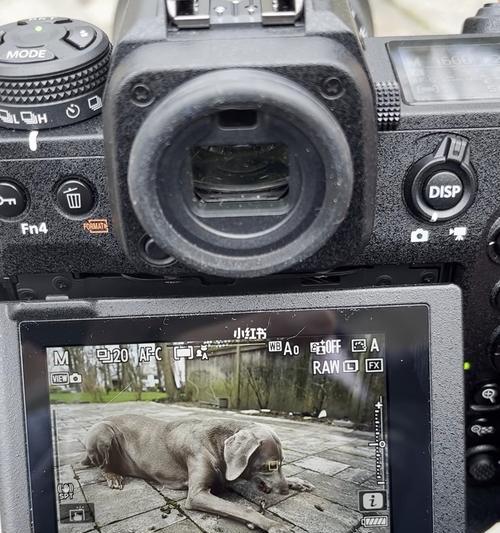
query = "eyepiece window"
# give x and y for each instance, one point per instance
(238, 118)
(185, 8)
(250, 174)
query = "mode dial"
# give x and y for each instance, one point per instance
(52, 72)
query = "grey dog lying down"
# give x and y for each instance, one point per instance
(194, 454)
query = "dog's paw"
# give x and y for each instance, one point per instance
(115, 481)
(300, 485)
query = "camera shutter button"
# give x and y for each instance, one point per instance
(443, 191)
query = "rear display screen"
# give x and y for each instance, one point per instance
(304, 420)
(451, 70)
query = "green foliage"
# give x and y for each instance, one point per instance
(112, 396)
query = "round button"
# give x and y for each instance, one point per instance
(483, 467)
(488, 395)
(482, 428)
(443, 191)
(153, 254)
(35, 34)
(75, 198)
(441, 186)
(13, 200)
(81, 37)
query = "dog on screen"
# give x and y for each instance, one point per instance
(194, 454)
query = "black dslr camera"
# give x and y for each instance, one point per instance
(178, 215)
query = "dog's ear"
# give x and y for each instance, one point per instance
(237, 452)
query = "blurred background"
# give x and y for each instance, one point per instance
(392, 17)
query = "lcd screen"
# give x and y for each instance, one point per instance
(450, 70)
(290, 417)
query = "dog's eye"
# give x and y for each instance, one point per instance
(273, 466)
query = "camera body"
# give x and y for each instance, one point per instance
(339, 79)
(423, 210)
(220, 86)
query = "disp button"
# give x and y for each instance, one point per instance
(443, 191)
(442, 185)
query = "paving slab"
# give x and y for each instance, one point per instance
(317, 515)
(250, 492)
(88, 476)
(112, 505)
(186, 526)
(289, 456)
(292, 470)
(361, 449)
(168, 493)
(67, 475)
(356, 475)
(210, 523)
(150, 522)
(352, 459)
(337, 460)
(334, 489)
(321, 465)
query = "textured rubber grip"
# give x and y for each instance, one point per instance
(388, 105)
(55, 88)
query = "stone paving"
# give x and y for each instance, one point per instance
(337, 460)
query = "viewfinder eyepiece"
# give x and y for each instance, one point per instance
(240, 173)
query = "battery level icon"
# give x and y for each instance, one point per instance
(375, 521)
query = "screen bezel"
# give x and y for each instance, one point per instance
(447, 376)
(409, 398)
